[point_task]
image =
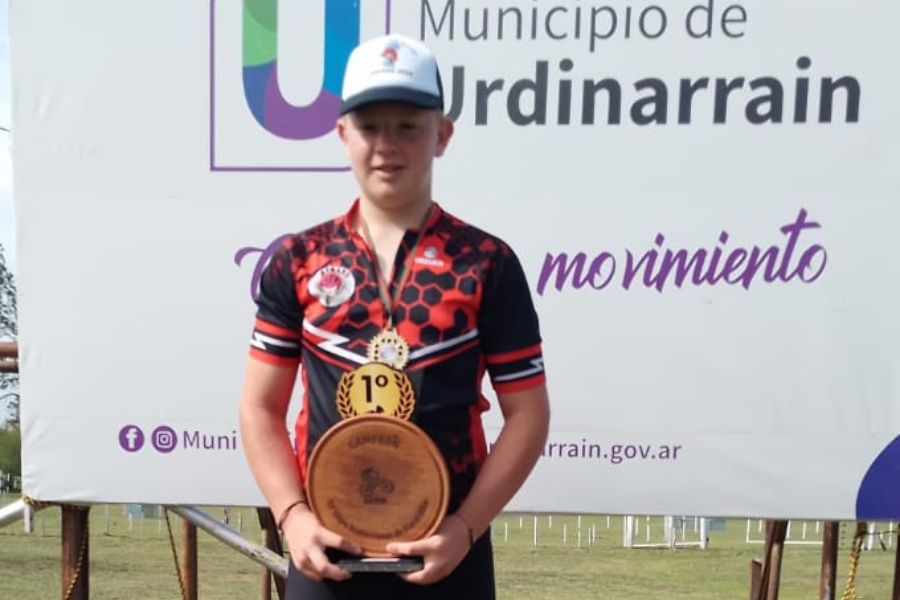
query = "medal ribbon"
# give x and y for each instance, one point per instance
(390, 302)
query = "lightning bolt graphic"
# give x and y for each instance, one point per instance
(333, 342)
(259, 340)
(537, 366)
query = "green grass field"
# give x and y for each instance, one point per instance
(135, 561)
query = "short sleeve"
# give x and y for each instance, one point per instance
(276, 332)
(508, 326)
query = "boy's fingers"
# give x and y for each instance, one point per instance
(325, 568)
(333, 540)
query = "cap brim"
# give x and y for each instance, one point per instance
(392, 94)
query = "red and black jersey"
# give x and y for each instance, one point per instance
(466, 308)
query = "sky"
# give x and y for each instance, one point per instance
(7, 224)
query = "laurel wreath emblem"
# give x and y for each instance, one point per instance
(407, 396)
(343, 396)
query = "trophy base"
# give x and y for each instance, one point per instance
(404, 564)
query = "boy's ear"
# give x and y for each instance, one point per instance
(445, 132)
(341, 127)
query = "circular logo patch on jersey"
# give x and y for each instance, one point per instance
(332, 285)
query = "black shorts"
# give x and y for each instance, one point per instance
(473, 579)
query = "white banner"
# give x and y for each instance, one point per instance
(704, 195)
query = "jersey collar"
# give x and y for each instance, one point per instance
(353, 214)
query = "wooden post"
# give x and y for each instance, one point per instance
(776, 531)
(780, 528)
(755, 578)
(272, 541)
(75, 552)
(827, 580)
(189, 559)
(896, 595)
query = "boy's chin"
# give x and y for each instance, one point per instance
(396, 199)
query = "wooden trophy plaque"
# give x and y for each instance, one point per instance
(376, 479)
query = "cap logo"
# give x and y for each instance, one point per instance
(389, 54)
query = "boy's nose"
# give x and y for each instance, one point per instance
(386, 138)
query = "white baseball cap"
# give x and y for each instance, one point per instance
(392, 68)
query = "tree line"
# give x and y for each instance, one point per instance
(10, 435)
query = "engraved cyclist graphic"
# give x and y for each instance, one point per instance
(374, 486)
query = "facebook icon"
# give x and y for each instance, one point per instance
(131, 438)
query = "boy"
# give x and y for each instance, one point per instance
(396, 280)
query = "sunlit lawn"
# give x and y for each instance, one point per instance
(133, 559)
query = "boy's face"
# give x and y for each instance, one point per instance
(391, 147)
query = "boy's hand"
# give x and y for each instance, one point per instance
(441, 552)
(307, 540)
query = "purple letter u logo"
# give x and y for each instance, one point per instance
(260, 66)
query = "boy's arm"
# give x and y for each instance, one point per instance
(263, 408)
(526, 421)
(267, 446)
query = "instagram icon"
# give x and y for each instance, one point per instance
(164, 439)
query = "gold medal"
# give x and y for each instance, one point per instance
(375, 388)
(390, 348)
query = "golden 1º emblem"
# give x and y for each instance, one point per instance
(375, 388)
